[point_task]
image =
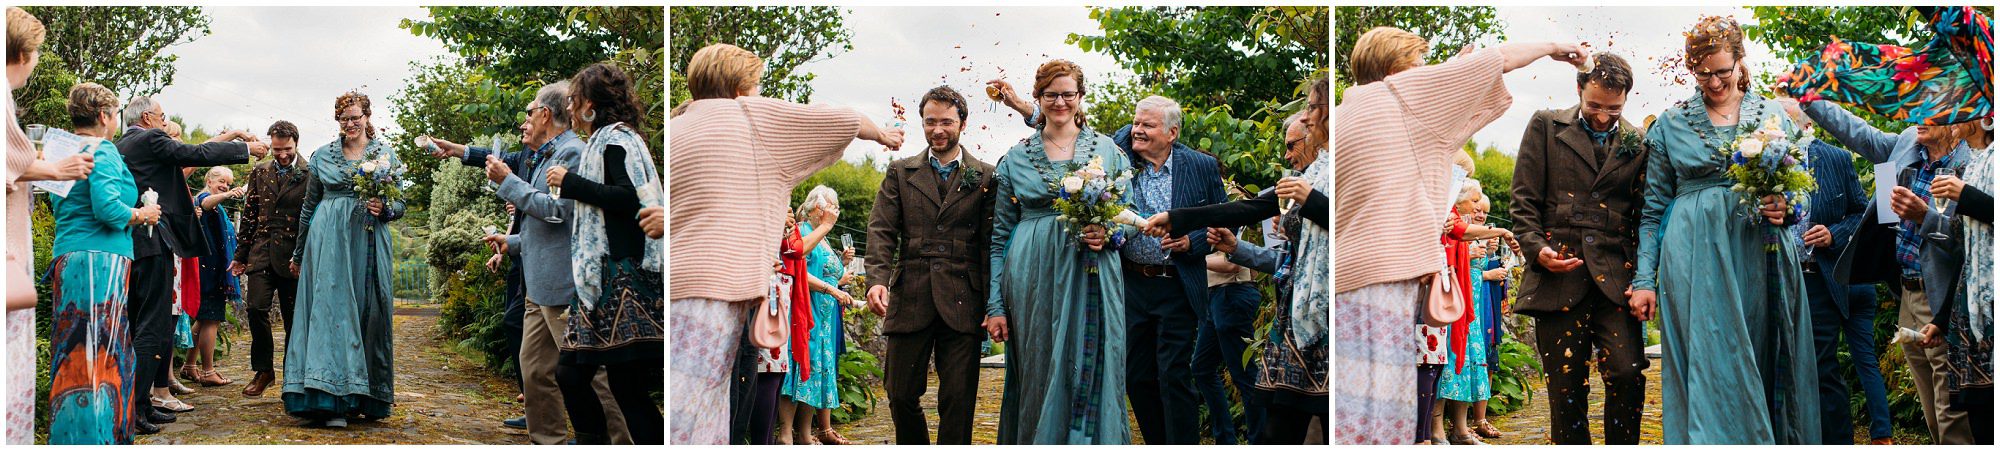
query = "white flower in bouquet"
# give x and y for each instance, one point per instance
(1072, 184)
(368, 166)
(1751, 147)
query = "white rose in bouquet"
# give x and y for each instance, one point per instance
(1751, 148)
(1072, 183)
(368, 166)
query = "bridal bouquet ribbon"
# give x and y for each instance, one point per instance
(1088, 196)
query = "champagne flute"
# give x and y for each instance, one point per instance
(1806, 226)
(1288, 174)
(555, 192)
(1945, 208)
(35, 132)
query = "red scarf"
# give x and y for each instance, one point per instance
(1459, 254)
(793, 253)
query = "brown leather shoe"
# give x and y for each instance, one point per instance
(1882, 441)
(258, 383)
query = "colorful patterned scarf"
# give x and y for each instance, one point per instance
(1949, 81)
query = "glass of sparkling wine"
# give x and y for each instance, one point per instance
(1945, 208)
(555, 192)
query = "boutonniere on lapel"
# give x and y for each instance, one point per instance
(971, 178)
(1629, 143)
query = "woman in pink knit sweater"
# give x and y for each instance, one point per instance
(1399, 126)
(734, 160)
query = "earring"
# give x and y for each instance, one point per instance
(590, 116)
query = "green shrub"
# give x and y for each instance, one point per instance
(471, 298)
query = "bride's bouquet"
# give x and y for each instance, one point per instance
(1087, 196)
(1769, 161)
(379, 178)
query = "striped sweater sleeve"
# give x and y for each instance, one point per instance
(801, 139)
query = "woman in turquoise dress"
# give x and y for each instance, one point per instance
(1738, 363)
(821, 389)
(1064, 324)
(90, 348)
(338, 357)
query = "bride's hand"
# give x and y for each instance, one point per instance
(1093, 236)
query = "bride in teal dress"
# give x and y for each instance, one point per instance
(1737, 360)
(338, 357)
(1065, 377)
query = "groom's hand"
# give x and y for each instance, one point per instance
(1642, 302)
(1555, 263)
(996, 327)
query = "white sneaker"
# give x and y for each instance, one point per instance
(336, 422)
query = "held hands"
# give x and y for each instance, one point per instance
(236, 268)
(996, 328)
(295, 269)
(1555, 263)
(1947, 187)
(878, 300)
(1222, 240)
(556, 175)
(496, 170)
(1642, 303)
(1907, 205)
(1774, 209)
(1817, 236)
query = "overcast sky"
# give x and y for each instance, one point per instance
(1645, 36)
(901, 52)
(259, 65)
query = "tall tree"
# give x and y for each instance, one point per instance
(1448, 28)
(529, 42)
(1206, 56)
(120, 46)
(785, 36)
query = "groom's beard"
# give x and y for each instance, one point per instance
(948, 146)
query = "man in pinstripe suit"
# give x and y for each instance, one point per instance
(1166, 284)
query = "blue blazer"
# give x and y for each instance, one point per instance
(1840, 204)
(1197, 182)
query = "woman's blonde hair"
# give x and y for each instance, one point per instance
(24, 34)
(1054, 69)
(1383, 51)
(720, 71)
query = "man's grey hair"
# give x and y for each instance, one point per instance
(1294, 119)
(555, 96)
(135, 109)
(1170, 111)
(820, 196)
